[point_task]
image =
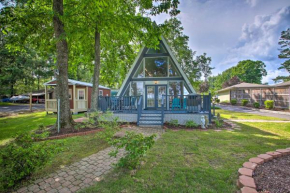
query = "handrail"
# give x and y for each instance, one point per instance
(139, 109)
(162, 110)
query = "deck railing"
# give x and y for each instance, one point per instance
(172, 103)
(118, 104)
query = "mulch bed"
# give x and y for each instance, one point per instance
(182, 127)
(273, 176)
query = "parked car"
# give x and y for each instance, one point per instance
(20, 99)
(5, 99)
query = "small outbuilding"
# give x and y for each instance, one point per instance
(79, 95)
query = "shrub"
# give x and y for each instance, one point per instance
(173, 122)
(217, 100)
(225, 101)
(190, 123)
(234, 101)
(218, 123)
(244, 102)
(256, 105)
(269, 104)
(22, 157)
(136, 146)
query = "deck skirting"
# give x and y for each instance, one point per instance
(182, 118)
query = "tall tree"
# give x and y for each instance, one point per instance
(178, 42)
(284, 42)
(65, 116)
(115, 22)
(204, 65)
(233, 81)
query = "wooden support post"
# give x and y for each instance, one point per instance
(251, 98)
(87, 97)
(30, 102)
(289, 98)
(45, 98)
(74, 99)
(260, 97)
(274, 98)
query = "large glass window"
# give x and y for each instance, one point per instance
(156, 67)
(175, 88)
(137, 88)
(173, 70)
(159, 50)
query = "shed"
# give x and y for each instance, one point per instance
(79, 95)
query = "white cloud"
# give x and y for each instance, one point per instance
(271, 74)
(259, 40)
(252, 3)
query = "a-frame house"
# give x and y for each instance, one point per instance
(155, 73)
(157, 90)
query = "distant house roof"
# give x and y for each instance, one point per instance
(250, 85)
(283, 84)
(74, 82)
(244, 85)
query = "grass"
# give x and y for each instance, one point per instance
(10, 126)
(198, 161)
(7, 104)
(239, 115)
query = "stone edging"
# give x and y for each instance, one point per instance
(246, 182)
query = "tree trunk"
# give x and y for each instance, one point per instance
(62, 66)
(95, 91)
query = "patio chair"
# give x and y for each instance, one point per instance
(176, 103)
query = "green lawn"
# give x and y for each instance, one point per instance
(7, 104)
(237, 115)
(74, 148)
(198, 161)
(9, 126)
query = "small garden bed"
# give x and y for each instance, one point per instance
(274, 176)
(183, 127)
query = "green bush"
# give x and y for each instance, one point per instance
(21, 157)
(244, 102)
(234, 101)
(256, 105)
(218, 123)
(225, 101)
(136, 146)
(191, 124)
(173, 122)
(269, 104)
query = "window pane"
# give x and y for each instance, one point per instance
(137, 88)
(175, 88)
(161, 50)
(172, 69)
(140, 72)
(81, 94)
(156, 67)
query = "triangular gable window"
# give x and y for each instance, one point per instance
(161, 50)
(173, 72)
(140, 71)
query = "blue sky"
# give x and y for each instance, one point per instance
(234, 30)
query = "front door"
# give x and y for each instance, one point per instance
(153, 96)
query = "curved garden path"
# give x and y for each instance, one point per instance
(84, 173)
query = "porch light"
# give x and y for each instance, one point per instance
(155, 82)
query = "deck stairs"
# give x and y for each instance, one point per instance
(151, 118)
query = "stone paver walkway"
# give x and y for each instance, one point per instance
(83, 173)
